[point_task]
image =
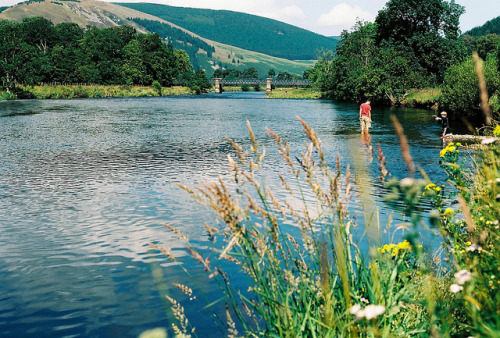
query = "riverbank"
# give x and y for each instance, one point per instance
(78, 91)
(295, 93)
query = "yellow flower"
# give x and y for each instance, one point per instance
(430, 186)
(448, 211)
(496, 132)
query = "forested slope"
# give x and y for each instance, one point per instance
(245, 31)
(490, 27)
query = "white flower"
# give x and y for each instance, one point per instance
(456, 288)
(370, 312)
(406, 182)
(473, 248)
(463, 276)
(355, 309)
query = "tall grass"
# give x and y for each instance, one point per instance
(312, 278)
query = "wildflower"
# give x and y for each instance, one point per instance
(496, 131)
(473, 247)
(463, 276)
(430, 186)
(456, 288)
(448, 211)
(355, 309)
(407, 182)
(371, 311)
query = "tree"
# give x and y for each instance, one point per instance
(250, 73)
(284, 76)
(271, 73)
(17, 58)
(182, 62)
(430, 28)
(460, 89)
(133, 69)
(487, 44)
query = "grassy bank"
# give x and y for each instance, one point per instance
(294, 93)
(71, 91)
(308, 276)
(423, 98)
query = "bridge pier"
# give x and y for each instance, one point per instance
(218, 86)
(269, 88)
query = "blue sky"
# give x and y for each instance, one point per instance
(327, 17)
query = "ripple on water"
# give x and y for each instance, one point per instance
(87, 184)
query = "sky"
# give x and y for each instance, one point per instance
(327, 17)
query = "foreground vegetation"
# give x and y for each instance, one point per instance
(309, 275)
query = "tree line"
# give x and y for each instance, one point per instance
(35, 50)
(178, 38)
(412, 44)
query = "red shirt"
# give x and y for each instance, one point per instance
(365, 109)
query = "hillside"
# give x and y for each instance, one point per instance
(490, 27)
(242, 30)
(204, 53)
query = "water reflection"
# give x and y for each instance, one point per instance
(87, 184)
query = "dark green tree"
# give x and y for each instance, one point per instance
(250, 73)
(134, 71)
(487, 44)
(430, 28)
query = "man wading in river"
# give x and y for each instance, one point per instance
(365, 116)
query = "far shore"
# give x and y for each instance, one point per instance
(427, 98)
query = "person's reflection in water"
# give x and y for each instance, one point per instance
(366, 141)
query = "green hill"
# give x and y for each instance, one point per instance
(241, 30)
(490, 27)
(204, 53)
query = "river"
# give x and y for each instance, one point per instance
(85, 185)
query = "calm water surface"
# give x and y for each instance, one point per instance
(85, 185)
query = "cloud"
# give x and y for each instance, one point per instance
(344, 15)
(293, 12)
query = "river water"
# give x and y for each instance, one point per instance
(85, 185)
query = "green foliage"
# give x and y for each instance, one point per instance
(310, 279)
(245, 31)
(35, 51)
(460, 87)
(490, 27)
(430, 30)
(487, 44)
(178, 38)
(157, 87)
(410, 46)
(245, 88)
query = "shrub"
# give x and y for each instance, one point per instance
(460, 88)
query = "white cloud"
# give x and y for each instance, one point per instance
(293, 12)
(344, 15)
